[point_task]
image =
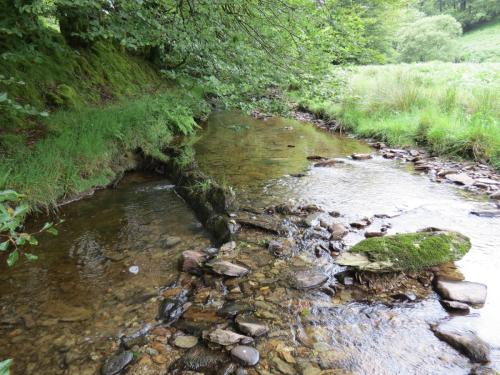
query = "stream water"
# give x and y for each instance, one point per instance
(61, 313)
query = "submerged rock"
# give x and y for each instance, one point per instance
(246, 355)
(226, 337)
(308, 279)
(185, 342)
(406, 252)
(464, 341)
(251, 326)
(462, 291)
(200, 359)
(172, 308)
(223, 267)
(115, 364)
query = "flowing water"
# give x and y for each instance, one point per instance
(61, 313)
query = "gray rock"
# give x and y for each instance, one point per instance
(186, 342)
(455, 306)
(495, 195)
(464, 341)
(338, 231)
(226, 337)
(308, 279)
(117, 363)
(246, 355)
(460, 178)
(361, 156)
(228, 247)
(223, 267)
(251, 326)
(170, 241)
(462, 291)
(199, 359)
(486, 213)
(284, 367)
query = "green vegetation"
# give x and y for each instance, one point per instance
(481, 44)
(453, 109)
(414, 251)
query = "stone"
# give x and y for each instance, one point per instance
(284, 367)
(172, 308)
(405, 296)
(464, 341)
(327, 163)
(345, 277)
(361, 156)
(192, 261)
(223, 267)
(455, 306)
(338, 231)
(228, 247)
(251, 326)
(406, 252)
(231, 309)
(116, 363)
(462, 291)
(281, 249)
(139, 338)
(486, 213)
(316, 157)
(460, 178)
(199, 359)
(67, 313)
(495, 195)
(226, 337)
(246, 355)
(360, 224)
(186, 342)
(133, 270)
(374, 234)
(308, 279)
(170, 241)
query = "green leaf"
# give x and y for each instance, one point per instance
(32, 241)
(9, 195)
(4, 245)
(5, 365)
(13, 258)
(31, 257)
(3, 96)
(46, 226)
(21, 210)
(53, 231)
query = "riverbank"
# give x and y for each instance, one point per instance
(450, 109)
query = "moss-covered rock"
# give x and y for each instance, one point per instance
(406, 252)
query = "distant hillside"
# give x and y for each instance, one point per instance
(481, 44)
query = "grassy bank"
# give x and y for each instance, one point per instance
(453, 109)
(481, 44)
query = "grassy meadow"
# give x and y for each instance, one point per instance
(453, 109)
(481, 44)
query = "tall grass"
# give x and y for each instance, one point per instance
(85, 148)
(453, 109)
(481, 44)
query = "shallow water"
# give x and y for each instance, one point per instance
(60, 312)
(402, 343)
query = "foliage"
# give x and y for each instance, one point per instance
(429, 38)
(451, 108)
(469, 13)
(13, 211)
(5, 366)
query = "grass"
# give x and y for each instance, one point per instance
(453, 109)
(414, 251)
(481, 44)
(85, 148)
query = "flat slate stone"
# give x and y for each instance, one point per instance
(308, 279)
(227, 337)
(462, 291)
(223, 267)
(455, 306)
(251, 326)
(464, 341)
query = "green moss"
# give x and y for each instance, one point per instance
(64, 96)
(414, 251)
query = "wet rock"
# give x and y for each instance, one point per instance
(327, 163)
(312, 219)
(185, 342)
(495, 195)
(406, 252)
(360, 224)
(338, 231)
(170, 241)
(281, 249)
(231, 309)
(284, 367)
(345, 277)
(266, 223)
(464, 341)
(251, 326)
(374, 234)
(406, 296)
(228, 247)
(115, 364)
(172, 308)
(226, 337)
(486, 213)
(67, 313)
(455, 306)
(316, 157)
(223, 267)
(138, 338)
(246, 355)
(308, 279)
(483, 370)
(361, 156)
(462, 291)
(192, 261)
(200, 359)
(460, 178)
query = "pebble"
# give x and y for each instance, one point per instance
(134, 270)
(246, 355)
(185, 342)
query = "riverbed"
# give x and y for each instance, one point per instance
(102, 275)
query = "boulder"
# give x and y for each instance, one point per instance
(464, 341)
(462, 291)
(225, 268)
(338, 231)
(246, 355)
(406, 252)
